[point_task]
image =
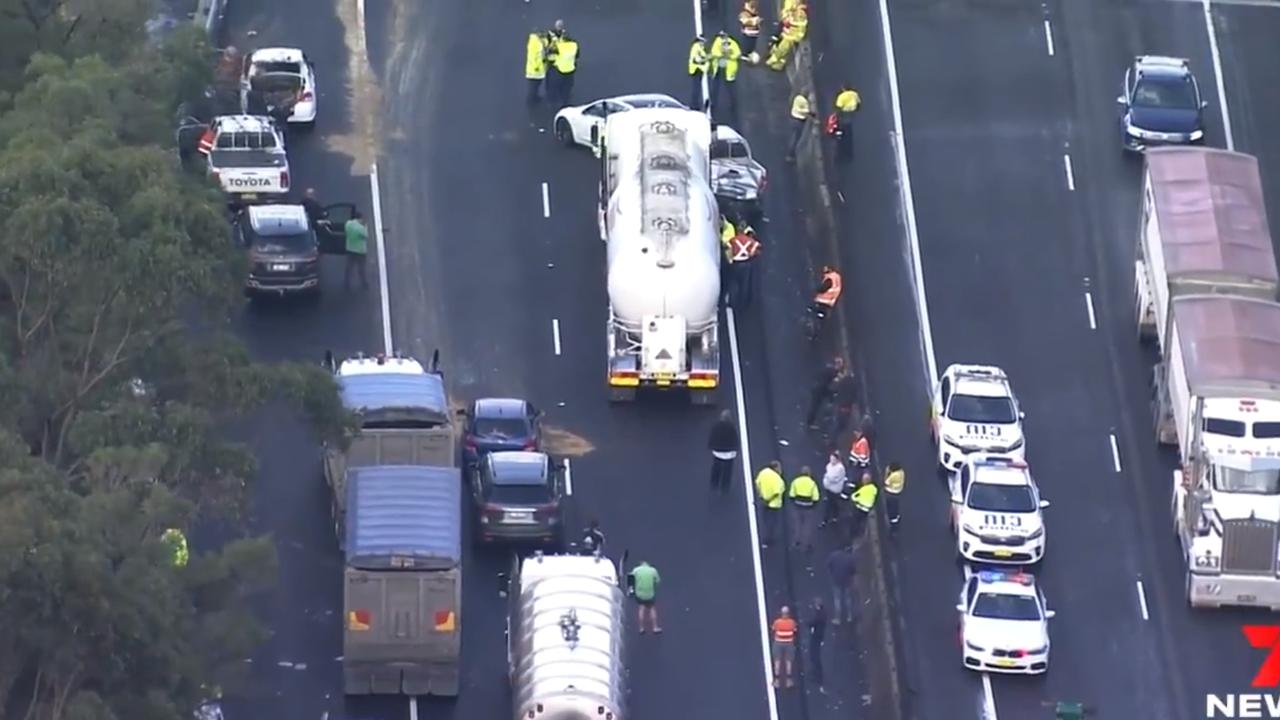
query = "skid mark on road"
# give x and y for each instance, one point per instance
(559, 441)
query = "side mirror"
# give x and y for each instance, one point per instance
(1022, 415)
(1121, 101)
(1044, 504)
(329, 361)
(1049, 614)
(959, 607)
(595, 134)
(502, 584)
(1204, 104)
(435, 360)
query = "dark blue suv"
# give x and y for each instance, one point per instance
(1161, 104)
(497, 424)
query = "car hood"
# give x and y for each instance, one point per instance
(981, 435)
(1001, 524)
(1005, 634)
(737, 178)
(1165, 119)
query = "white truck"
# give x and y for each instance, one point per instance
(566, 639)
(659, 219)
(1203, 232)
(1219, 374)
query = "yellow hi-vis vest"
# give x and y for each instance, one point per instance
(727, 231)
(724, 56)
(848, 101)
(895, 481)
(566, 56)
(800, 108)
(177, 542)
(535, 58)
(770, 487)
(697, 58)
(804, 491)
(864, 498)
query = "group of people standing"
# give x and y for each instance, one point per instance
(551, 59)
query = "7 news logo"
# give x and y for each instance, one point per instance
(1253, 705)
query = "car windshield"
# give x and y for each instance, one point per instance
(725, 149)
(979, 409)
(651, 103)
(1172, 93)
(284, 242)
(501, 427)
(999, 606)
(246, 159)
(1001, 498)
(522, 494)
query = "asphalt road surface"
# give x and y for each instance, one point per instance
(1026, 212)
(505, 279)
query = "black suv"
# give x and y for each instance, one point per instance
(520, 496)
(1161, 104)
(284, 248)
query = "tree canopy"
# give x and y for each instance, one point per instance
(120, 375)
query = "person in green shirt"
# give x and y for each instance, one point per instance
(357, 249)
(644, 588)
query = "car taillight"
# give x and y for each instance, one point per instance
(764, 183)
(530, 445)
(306, 96)
(471, 444)
(214, 174)
(491, 510)
(543, 512)
(284, 179)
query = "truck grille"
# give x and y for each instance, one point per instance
(1249, 546)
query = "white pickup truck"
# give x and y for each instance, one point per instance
(246, 155)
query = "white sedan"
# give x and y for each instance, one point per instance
(573, 124)
(996, 511)
(974, 410)
(1004, 624)
(279, 77)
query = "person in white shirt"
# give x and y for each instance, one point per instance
(834, 480)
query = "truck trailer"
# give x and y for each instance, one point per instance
(566, 639)
(659, 218)
(1203, 231)
(1220, 365)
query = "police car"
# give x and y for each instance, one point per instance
(995, 511)
(1004, 624)
(974, 410)
(281, 77)
(245, 154)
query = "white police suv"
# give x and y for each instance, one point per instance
(1004, 624)
(996, 511)
(975, 411)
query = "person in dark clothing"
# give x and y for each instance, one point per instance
(822, 390)
(840, 568)
(313, 208)
(593, 538)
(723, 444)
(817, 630)
(845, 392)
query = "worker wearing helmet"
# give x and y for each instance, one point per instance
(725, 55)
(699, 61)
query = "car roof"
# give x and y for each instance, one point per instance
(1006, 583)
(1013, 474)
(518, 467)
(499, 408)
(1162, 65)
(982, 387)
(277, 54)
(243, 123)
(261, 216)
(645, 98)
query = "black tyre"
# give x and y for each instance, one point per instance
(564, 133)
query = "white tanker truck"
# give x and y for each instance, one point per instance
(659, 218)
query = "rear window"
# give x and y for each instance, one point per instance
(267, 68)
(501, 427)
(721, 149)
(519, 494)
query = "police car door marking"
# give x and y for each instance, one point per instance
(983, 430)
(993, 519)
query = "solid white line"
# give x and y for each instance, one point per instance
(1115, 452)
(555, 334)
(749, 496)
(546, 201)
(1048, 36)
(908, 201)
(1071, 175)
(383, 287)
(568, 478)
(1142, 600)
(1088, 304)
(988, 699)
(1217, 73)
(413, 707)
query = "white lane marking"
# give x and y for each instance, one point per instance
(413, 707)
(555, 333)
(1048, 36)
(749, 496)
(908, 200)
(1217, 73)
(988, 699)
(546, 201)
(380, 240)
(1088, 304)
(568, 478)
(1142, 601)
(1274, 4)
(1071, 175)
(1115, 452)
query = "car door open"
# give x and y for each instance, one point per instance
(331, 231)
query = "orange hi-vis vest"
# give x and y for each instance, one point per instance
(829, 296)
(860, 451)
(743, 247)
(784, 630)
(206, 142)
(750, 22)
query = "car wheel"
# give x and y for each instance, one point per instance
(564, 133)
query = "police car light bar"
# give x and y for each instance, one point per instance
(994, 576)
